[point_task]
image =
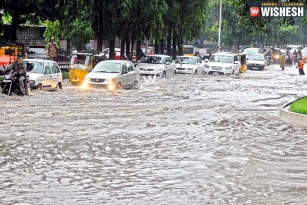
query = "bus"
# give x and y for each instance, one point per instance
(189, 50)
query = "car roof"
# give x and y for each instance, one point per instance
(188, 56)
(38, 60)
(225, 53)
(116, 61)
(160, 55)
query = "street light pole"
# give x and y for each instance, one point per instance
(220, 26)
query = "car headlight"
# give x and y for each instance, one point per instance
(228, 67)
(207, 66)
(110, 80)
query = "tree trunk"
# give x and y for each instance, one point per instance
(128, 48)
(138, 50)
(174, 46)
(122, 49)
(14, 25)
(112, 49)
(132, 48)
(157, 46)
(162, 45)
(169, 42)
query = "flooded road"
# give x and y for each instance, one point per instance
(207, 139)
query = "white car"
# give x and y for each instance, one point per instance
(156, 64)
(256, 62)
(250, 51)
(112, 74)
(188, 64)
(44, 74)
(222, 63)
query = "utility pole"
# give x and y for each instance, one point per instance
(220, 26)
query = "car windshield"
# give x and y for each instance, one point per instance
(251, 51)
(256, 57)
(107, 67)
(35, 67)
(152, 60)
(186, 60)
(80, 59)
(221, 59)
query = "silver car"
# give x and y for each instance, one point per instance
(112, 74)
(156, 64)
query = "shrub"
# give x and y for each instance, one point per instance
(65, 75)
(299, 106)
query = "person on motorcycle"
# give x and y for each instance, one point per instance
(20, 67)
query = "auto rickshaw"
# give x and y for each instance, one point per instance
(81, 64)
(243, 62)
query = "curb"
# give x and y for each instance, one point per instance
(286, 115)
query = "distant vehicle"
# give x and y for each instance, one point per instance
(44, 74)
(157, 64)
(112, 74)
(150, 50)
(106, 52)
(37, 52)
(249, 51)
(256, 62)
(304, 52)
(188, 50)
(222, 63)
(188, 64)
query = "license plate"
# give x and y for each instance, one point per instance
(254, 67)
(6, 81)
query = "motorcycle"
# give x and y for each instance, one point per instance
(10, 83)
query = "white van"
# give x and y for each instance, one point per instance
(44, 74)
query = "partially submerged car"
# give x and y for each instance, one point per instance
(44, 74)
(256, 62)
(37, 52)
(112, 74)
(158, 65)
(222, 63)
(188, 64)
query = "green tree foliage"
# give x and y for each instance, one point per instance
(52, 30)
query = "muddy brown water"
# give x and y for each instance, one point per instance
(183, 140)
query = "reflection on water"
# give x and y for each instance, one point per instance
(184, 140)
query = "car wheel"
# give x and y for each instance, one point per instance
(195, 72)
(40, 86)
(59, 85)
(136, 84)
(164, 74)
(119, 86)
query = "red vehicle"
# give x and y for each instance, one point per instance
(117, 54)
(150, 50)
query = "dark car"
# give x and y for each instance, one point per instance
(37, 52)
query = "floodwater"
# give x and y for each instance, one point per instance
(204, 139)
